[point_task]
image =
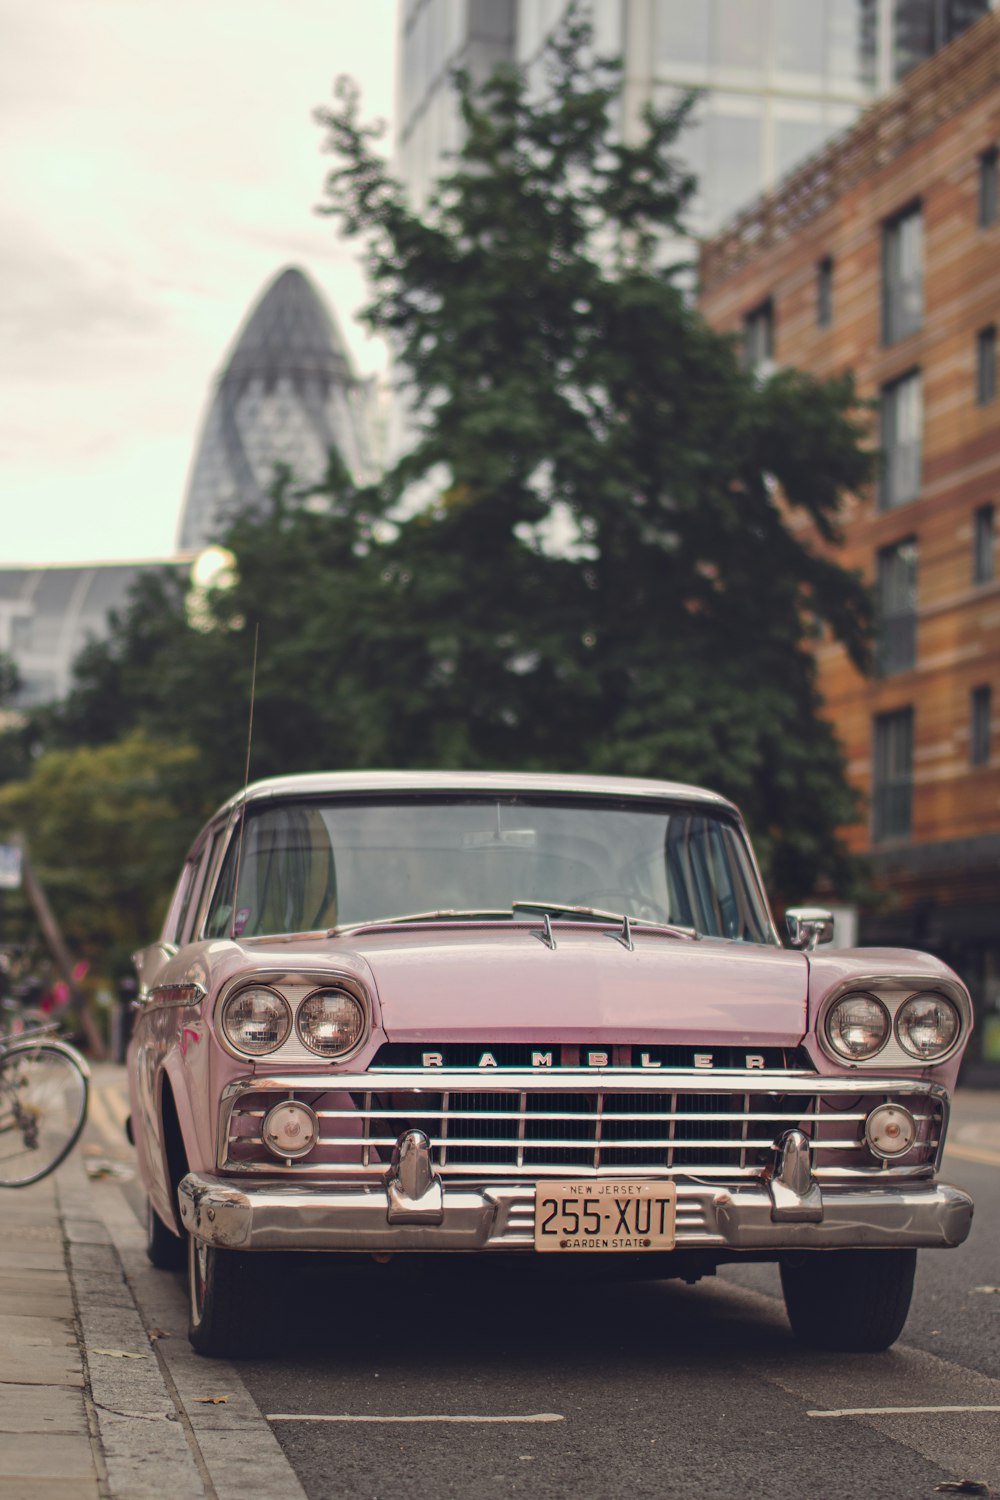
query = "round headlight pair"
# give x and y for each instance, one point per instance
(257, 1020)
(927, 1026)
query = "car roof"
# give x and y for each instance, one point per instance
(426, 783)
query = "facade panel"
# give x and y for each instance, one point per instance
(939, 647)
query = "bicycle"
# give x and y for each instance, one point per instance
(44, 1089)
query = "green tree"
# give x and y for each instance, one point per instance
(306, 580)
(606, 578)
(599, 574)
(107, 827)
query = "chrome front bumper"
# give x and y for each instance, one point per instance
(248, 1214)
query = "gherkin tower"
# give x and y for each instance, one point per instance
(286, 396)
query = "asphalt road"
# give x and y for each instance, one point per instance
(601, 1390)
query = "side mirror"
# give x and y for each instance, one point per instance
(808, 926)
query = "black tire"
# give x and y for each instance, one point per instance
(166, 1250)
(225, 1316)
(44, 1091)
(850, 1300)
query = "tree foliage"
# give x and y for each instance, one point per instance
(607, 578)
(584, 563)
(104, 824)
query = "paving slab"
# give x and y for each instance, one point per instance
(63, 1410)
(58, 1455)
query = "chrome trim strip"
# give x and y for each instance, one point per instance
(333, 1170)
(178, 995)
(588, 1080)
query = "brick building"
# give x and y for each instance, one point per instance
(882, 254)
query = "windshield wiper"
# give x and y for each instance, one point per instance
(561, 909)
(596, 914)
(443, 914)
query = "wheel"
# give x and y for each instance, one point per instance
(43, 1106)
(226, 1318)
(851, 1300)
(165, 1249)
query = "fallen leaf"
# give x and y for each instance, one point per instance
(211, 1400)
(119, 1353)
(99, 1167)
(987, 1289)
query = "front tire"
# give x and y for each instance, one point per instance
(166, 1250)
(850, 1300)
(226, 1318)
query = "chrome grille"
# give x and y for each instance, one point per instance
(721, 1128)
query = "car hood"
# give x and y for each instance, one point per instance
(486, 984)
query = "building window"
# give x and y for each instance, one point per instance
(892, 779)
(982, 545)
(902, 427)
(921, 27)
(896, 608)
(903, 275)
(980, 712)
(986, 365)
(824, 293)
(988, 199)
(758, 339)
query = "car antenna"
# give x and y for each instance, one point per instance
(246, 783)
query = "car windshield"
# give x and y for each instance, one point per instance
(309, 865)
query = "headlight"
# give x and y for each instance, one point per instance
(256, 1020)
(927, 1026)
(331, 1022)
(290, 1129)
(857, 1026)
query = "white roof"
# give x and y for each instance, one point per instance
(416, 783)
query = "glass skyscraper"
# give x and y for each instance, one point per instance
(287, 396)
(778, 77)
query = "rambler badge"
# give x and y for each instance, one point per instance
(592, 1058)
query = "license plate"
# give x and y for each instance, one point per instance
(625, 1215)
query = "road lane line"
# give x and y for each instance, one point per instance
(282, 1416)
(116, 1104)
(960, 1445)
(898, 1411)
(100, 1117)
(974, 1153)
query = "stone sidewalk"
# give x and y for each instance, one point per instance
(48, 1447)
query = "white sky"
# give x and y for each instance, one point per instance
(159, 165)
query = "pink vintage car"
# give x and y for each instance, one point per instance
(529, 1014)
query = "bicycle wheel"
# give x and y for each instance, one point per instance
(43, 1106)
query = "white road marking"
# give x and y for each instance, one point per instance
(898, 1411)
(282, 1416)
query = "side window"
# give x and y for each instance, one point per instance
(186, 922)
(206, 875)
(181, 901)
